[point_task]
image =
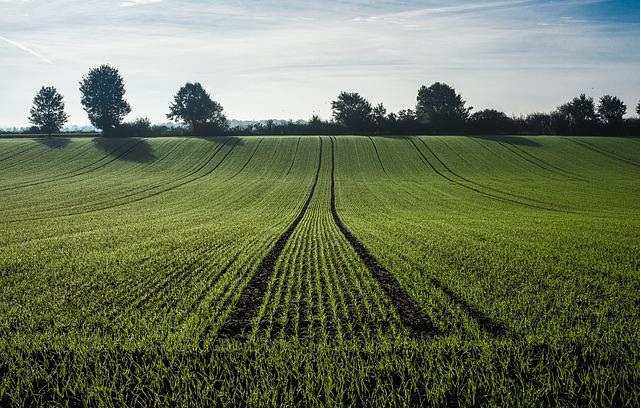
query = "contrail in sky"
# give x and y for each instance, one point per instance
(27, 49)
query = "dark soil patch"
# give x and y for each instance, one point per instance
(410, 313)
(253, 294)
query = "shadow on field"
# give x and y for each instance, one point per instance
(511, 140)
(126, 149)
(54, 142)
(224, 140)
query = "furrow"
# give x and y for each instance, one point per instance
(294, 157)
(410, 313)
(130, 201)
(609, 155)
(491, 196)
(378, 155)
(475, 183)
(252, 296)
(88, 167)
(525, 158)
(247, 162)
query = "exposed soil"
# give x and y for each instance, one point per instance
(410, 313)
(252, 296)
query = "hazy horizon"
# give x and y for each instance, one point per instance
(286, 60)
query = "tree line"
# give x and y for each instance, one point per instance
(439, 109)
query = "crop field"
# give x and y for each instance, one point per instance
(319, 271)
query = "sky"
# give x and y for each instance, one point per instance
(290, 59)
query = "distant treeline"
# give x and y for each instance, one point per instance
(438, 110)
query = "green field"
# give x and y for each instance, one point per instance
(318, 271)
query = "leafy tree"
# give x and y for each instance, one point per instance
(560, 123)
(102, 92)
(352, 111)
(638, 108)
(441, 108)
(193, 106)
(539, 123)
(315, 124)
(139, 127)
(48, 110)
(406, 116)
(379, 116)
(490, 121)
(611, 110)
(579, 114)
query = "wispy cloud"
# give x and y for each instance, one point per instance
(26, 49)
(131, 3)
(461, 8)
(264, 58)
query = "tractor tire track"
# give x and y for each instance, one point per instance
(495, 329)
(465, 186)
(478, 184)
(378, 155)
(409, 312)
(30, 157)
(138, 190)
(11, 152)
(535, 164)
(560, 171)
(252, 296)
(247, 162)
(80, 172)
(486, 323)
(82, 150)
(139, 198)
(474, 139)
(609, 155)
(58, 178)
(14, 154)
(223, 304)
(293, 158)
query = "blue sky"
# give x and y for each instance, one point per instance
(289, 59)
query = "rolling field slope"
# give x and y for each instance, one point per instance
(319, 271)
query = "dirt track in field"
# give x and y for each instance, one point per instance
(252, 296)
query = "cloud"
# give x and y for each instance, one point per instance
(402, 16)
(27, 49)
(131, 3)
(262, 58)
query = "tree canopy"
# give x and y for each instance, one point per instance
(441, 108)
(579, 113)
(490, 121)
(194, 106)
(611, 109)
(102, 95)
(48, 110)
(352, 111)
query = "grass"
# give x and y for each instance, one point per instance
(123, 262)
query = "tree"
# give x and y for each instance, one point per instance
(139, 127)
(489, 121)
(579, 114)
(611, 110)
(638, 108)
(539, 123)
(441, 108)
(194, 106)
(48, 110)
(352, 111)
(379, 116)
(102, 92)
